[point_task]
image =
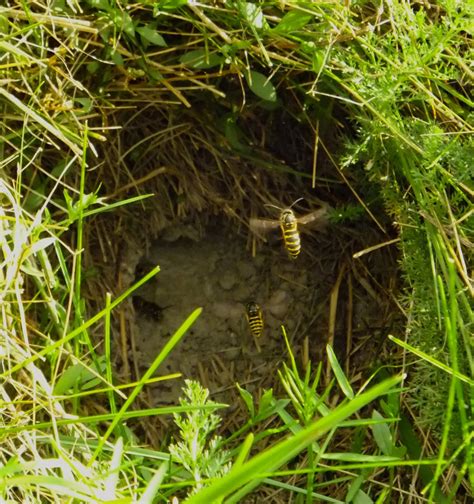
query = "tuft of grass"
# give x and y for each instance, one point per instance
(245, 477)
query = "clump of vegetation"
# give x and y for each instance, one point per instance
(198, 453)
(221, 109)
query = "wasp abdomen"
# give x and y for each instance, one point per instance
(255, 319)
(291, 236)
(292, 242)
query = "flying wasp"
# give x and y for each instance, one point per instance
(255, 318)
(288, 223)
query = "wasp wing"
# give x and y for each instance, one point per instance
(263, 225)
(319, 216)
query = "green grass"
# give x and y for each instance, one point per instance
(382, 91)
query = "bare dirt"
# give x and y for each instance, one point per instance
(217, 272)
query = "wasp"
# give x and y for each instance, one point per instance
(255, 318)
(288, 223)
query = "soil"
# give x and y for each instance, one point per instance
(217, 272)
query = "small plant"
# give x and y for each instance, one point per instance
(198, 452)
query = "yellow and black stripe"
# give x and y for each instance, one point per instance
(288, 223)
(291, 236)
(255, 319)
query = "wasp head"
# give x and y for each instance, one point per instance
(252, 308)
(287, 218)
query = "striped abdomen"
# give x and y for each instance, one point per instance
(291, 236)
(255, 319)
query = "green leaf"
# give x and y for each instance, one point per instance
(362, 498)
(293, 20)
(167, 5)
(34, 200)
(153, 486)
(248, 399)
(79, 375)
(359, 458)
(102, 5)
(244, 450)
(273, 408)
(266, 402)
(318, 60)
(117, 58)
(76, 207)
(11, 467)
(123, 22)
(261, 86)
(4, 26)
(150, 34)
(354, 488)
(409, 438)
(47, 268)
(85, 103)
(382, 434)
(234, 134)
(93, 67)
(30, 270)
(339, 373)
(73, 375)
(201, 59)
(253, 15)
(40, 245)
(153, 74)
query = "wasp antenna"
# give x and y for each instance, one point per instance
(273, 206)
(296, 201)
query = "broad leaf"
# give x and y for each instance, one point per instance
(292, 21)
(201, 59)
(150, 34)
(261, 86)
